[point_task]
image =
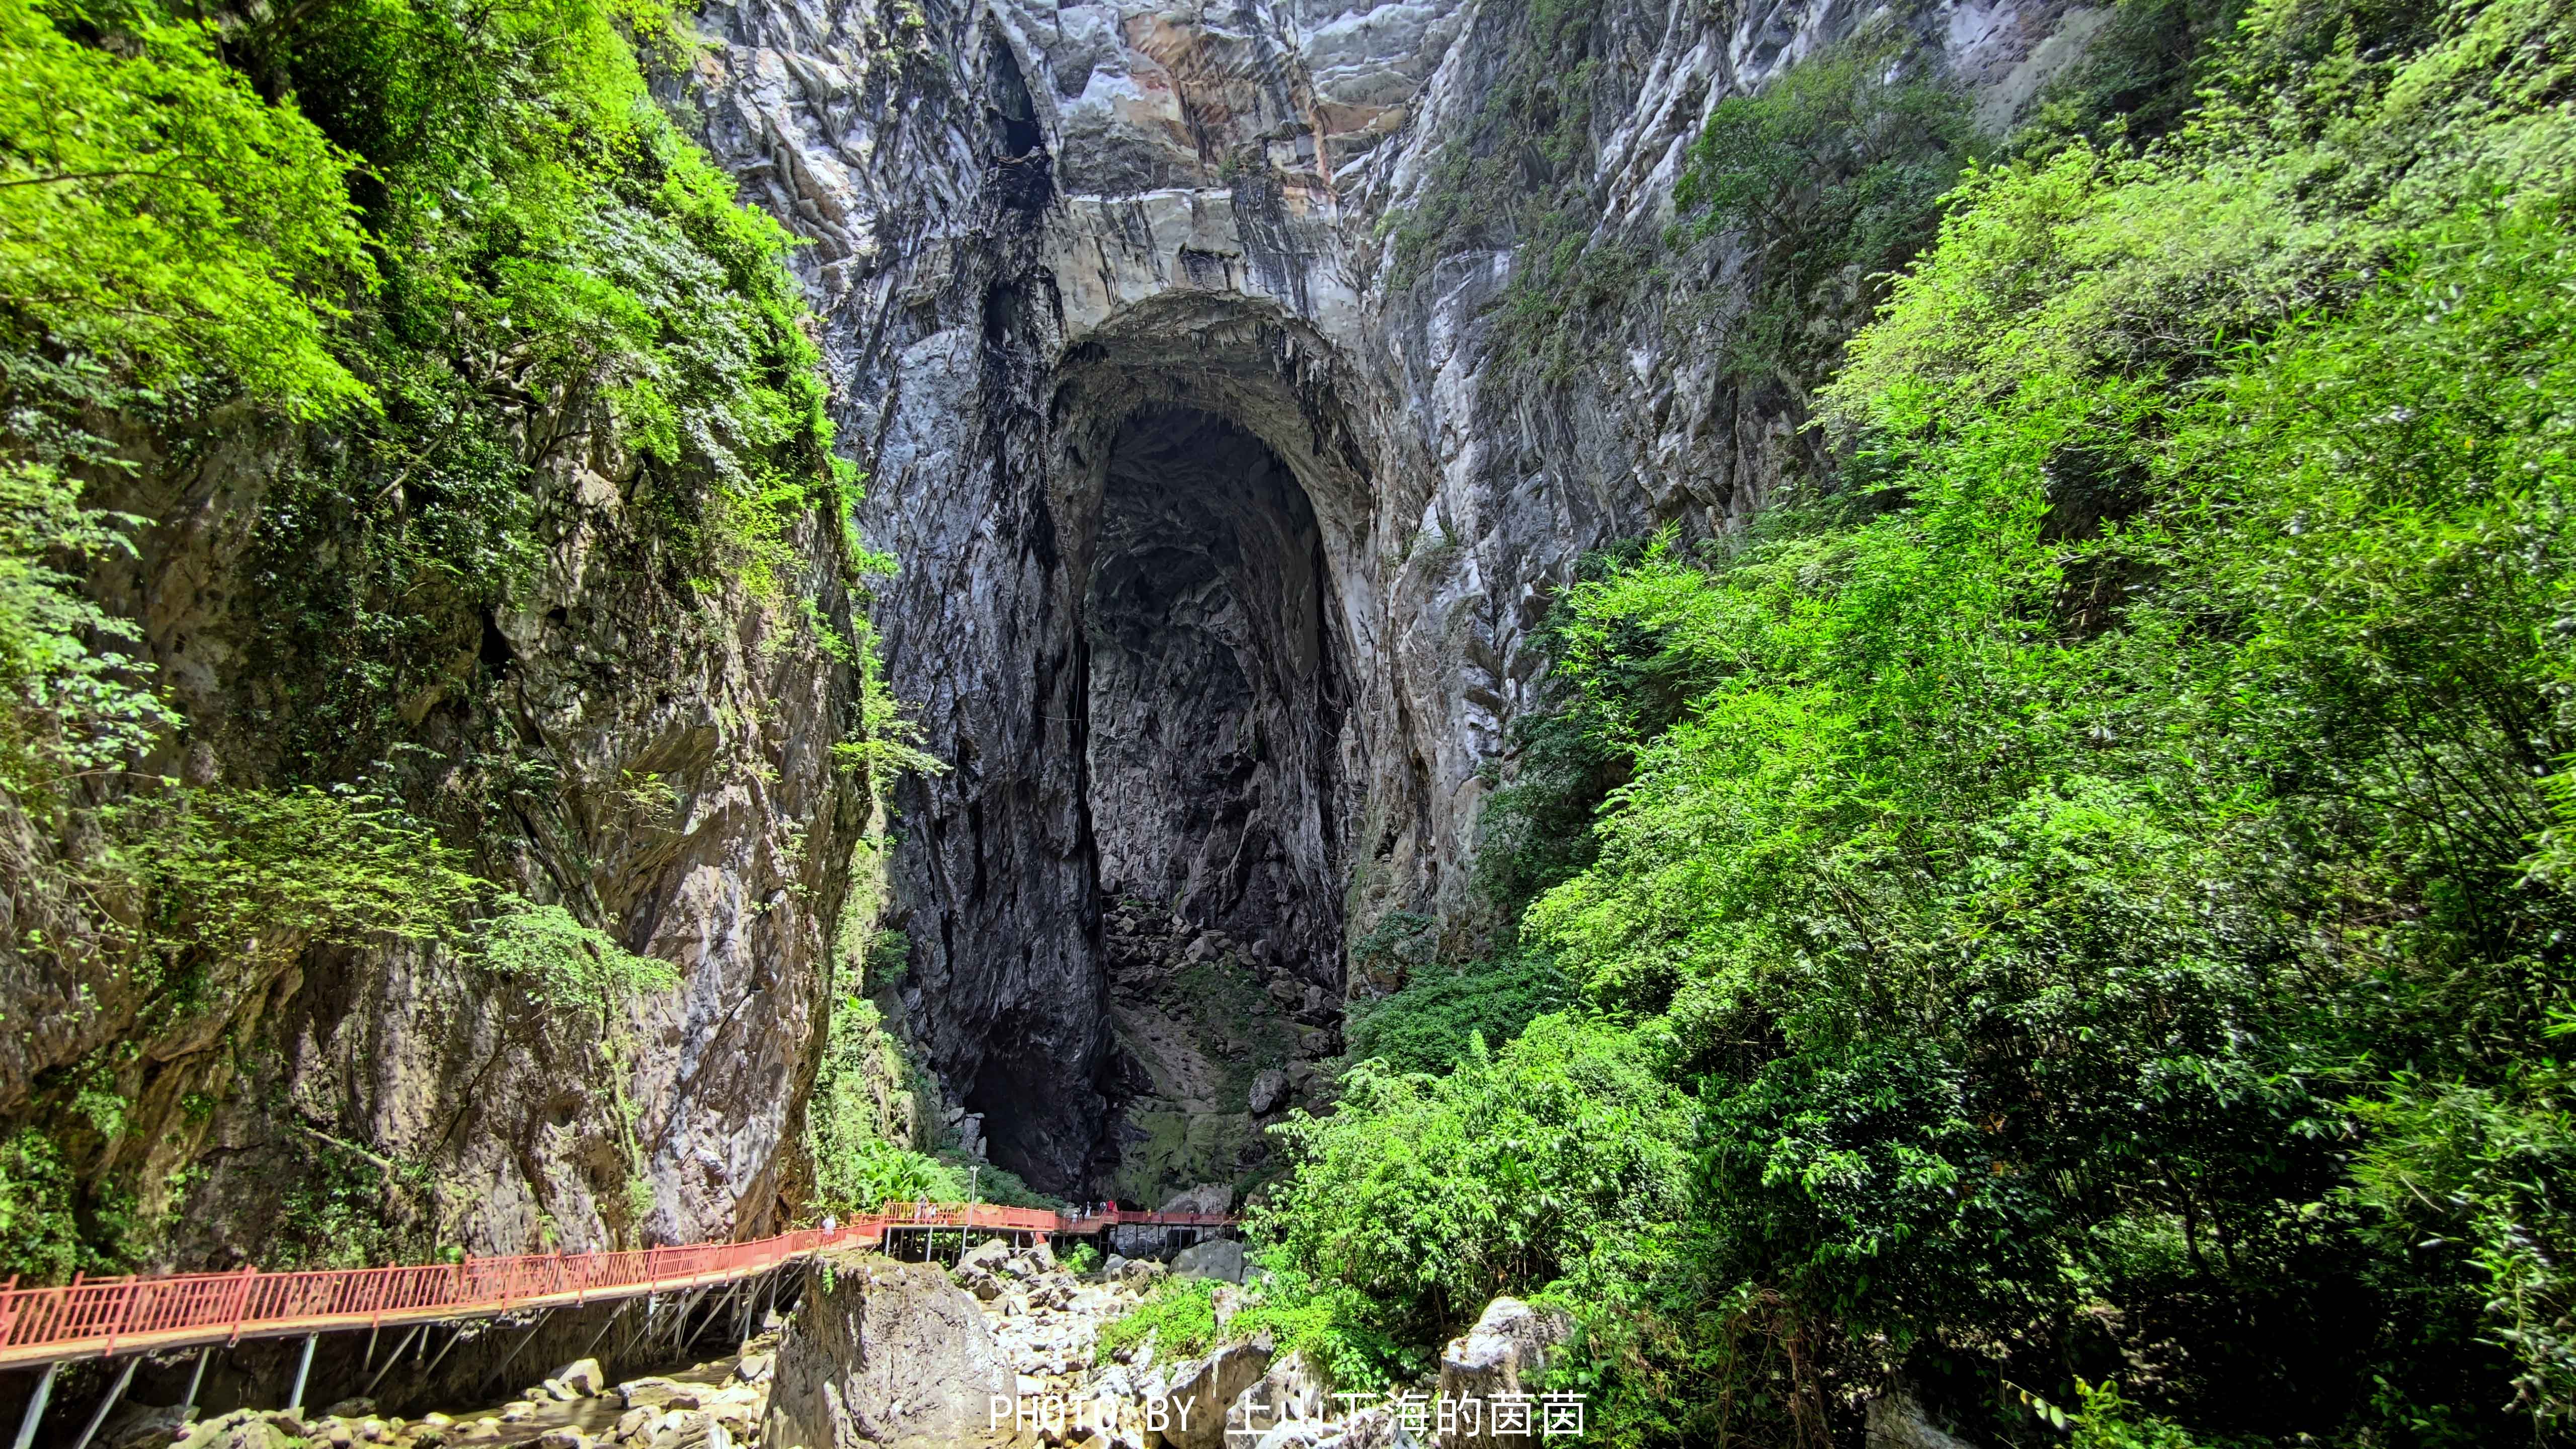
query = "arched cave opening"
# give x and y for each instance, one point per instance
(1214, 704)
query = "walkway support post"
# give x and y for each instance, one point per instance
(124, 1376)
(303, 1368)
(391, 1359)
(36, 1405)
(512, 1356)
(197, 1376)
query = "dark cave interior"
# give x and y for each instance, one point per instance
(1214, 724)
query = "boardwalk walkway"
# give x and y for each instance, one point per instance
(105, 1317)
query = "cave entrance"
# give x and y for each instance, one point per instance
(1212, 745)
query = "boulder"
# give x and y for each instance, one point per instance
(1218, 1258)
(1895, 1421)
(583, 1377)
(1207, 1388)
(657, 1393)
(1502, 1354)
(1374, 1429)
(139, 1424)
(1289, 1396)
(688, 1429)
(1207, 1197)
(350, 1409)
(1269, 1091)
(987, 1270)
(737, 1408)
(884, 1354)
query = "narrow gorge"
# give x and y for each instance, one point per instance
(1857, 713)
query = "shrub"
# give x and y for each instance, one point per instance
(1178, 1314)
(1557, 1158)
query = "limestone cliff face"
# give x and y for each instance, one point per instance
(1223, 534)
(651, 754)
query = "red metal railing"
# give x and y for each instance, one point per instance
(98, 1317)
(901, 1214)
(101, 1316)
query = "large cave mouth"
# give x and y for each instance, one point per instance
(1215, 717)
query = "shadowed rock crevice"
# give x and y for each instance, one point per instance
(1214, 699)
(1215, 710)
(1144, 700)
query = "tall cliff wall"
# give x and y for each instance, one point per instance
(649, 752)
(1181, 346)
(1129, 316)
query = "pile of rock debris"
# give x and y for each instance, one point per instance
(715, 1405)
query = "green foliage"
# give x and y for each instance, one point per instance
(1830, 176)
(563, 962)
(2099, 904)
(1534, 115)
(1082, 1257)
(2108, 1421)
(347, 1211)
(468, 240)
(888, 959)
(882, 744)
(73, 705)
(2137, 77)
(2493, 1166)
(40, 1234)
(1428, 1026)
(1320, 1319)
(848, 1121)
(423, 260)
(1536, 829)
(1178, 1314)
(1518, 176)
(872, 1171)
(1325, 1323)
(1557, 1158)
(158, 214)
(1951, 838)
(229, 878)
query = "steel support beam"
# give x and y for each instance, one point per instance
(124, 1376)
(303, 1370)
(36, 1406)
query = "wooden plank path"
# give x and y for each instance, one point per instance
(105, 1317)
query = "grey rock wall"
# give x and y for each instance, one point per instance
(654, 759)
(1048, 236)
(886, 1354)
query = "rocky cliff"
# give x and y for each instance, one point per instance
(1233, 413)
(1182, 346)
(654, 759)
